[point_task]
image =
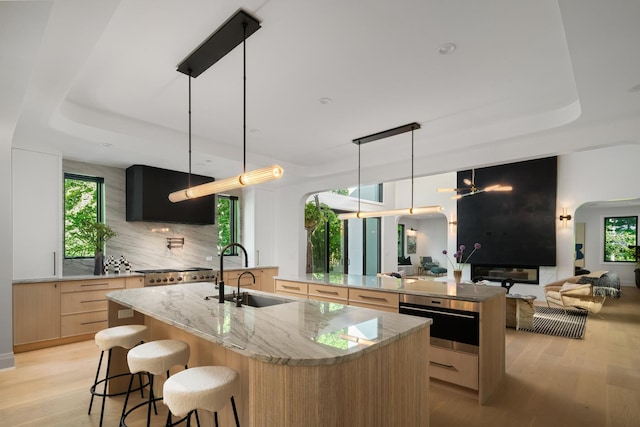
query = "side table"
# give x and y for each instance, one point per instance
(520, 311)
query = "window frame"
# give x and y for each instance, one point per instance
(100, 206)
(234, 222)
(401, 240)
(604, 240)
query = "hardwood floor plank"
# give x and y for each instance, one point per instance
(550, 381)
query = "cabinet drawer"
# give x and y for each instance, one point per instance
(82, 302)
(332, 292)
(91, 285)
(387, 299)
(83, 323)
(454, 367)
(291, 287)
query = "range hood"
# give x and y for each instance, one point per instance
(148, 189)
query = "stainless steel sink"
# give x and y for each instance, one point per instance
(257, 301)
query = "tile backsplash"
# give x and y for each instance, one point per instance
(144, 244)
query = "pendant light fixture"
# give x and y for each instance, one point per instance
(405, 211)
(472, 188)
(233, 32)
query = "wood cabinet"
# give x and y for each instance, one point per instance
(296, 289)
(37, 214)
(454, 367)
(328, 293)
(387, 301)
(263, 278)
(46, 314)
(36, 312)
(84, 305)
(358, 297)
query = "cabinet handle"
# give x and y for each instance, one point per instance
(93, 300)
(297, 288)
(94, 284)
(373, 298)
(95, 321)
(442, 365)
(322, 291)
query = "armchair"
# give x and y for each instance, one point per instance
(568, 293)
(427, 264)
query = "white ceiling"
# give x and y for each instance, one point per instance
(527, 78)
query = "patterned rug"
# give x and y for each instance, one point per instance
(553, 321)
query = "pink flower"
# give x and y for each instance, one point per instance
(459, 255)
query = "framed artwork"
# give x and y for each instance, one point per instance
(411, 244)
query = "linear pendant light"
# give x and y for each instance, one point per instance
(393, 212)
(221, 42)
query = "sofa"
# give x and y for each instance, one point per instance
(405, 266)
(586, 292)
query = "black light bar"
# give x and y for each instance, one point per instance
(227, 37)
(386, 133)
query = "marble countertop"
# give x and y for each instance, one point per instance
(79, 277)
(431, 288)
(299, 332)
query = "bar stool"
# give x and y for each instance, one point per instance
(154, 358)
(202, 387)
(127, 336)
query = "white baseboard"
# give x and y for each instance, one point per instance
(7, 361)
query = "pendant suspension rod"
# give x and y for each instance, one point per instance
(412, 169)
(358, 178)
(244, 94)
(189, 176)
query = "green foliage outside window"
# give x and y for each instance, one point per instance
(619, 234)
(228, 222)
(81, 207)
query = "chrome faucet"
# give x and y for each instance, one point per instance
(238, 296)
(221, 272)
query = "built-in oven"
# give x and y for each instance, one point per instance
(456, 324)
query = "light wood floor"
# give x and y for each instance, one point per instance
(551, 381)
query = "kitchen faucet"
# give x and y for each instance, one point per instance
(238, 298)
(221, 272)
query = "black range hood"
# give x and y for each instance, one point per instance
(148, 189)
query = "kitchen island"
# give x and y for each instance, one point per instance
(467, 338)
(302, 362)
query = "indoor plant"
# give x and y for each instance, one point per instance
(460, 260)
(96, 234)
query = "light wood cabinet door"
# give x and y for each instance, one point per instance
(267, 282)
(134, 282)
(454, 367)
(328, 293)
(287, 287)
(366, 298)
(246, 281)
(36, 312)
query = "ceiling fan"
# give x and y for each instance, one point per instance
(473, 188)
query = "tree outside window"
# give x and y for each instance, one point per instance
(228, 216)
(83, 201)
(620, 238)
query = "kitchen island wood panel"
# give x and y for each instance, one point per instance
(293, 368)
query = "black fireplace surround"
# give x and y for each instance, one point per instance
(517, 229)
(498, 273)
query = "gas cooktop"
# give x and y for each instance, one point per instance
(168, 276)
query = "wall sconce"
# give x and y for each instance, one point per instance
(411, 232)
(564, 217)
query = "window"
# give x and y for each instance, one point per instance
(83, 201)
(400, 240)
(620, 232)
(228, 223)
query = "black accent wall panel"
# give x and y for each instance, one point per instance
(517, 227)
(148, 190)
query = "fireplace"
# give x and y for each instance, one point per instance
(499, 272)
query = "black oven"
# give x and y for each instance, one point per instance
(456, 324)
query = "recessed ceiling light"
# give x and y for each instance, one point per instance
(254, 130)
(107, 144)
(447, 48)
(325, 101)
(635, 89)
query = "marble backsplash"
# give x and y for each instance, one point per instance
(144, 244)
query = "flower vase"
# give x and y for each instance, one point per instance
(457, 275)
(98, 264)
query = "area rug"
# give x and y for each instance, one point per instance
(554, 321)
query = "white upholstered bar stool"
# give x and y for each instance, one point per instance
(127, 337)
(154, 358)
(203, 387)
